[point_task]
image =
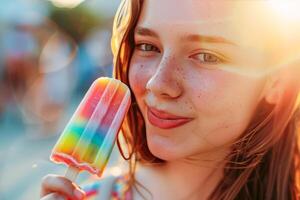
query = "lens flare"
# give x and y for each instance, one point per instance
(287, 10)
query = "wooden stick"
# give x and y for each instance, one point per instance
(71, 173)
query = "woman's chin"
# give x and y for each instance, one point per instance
(163, 155)
(162, 151)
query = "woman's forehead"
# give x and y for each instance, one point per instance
(242, 22)
(206, 12)
(179, 10)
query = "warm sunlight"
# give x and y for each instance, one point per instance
(286, 10)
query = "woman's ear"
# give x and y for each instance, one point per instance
(274, 89)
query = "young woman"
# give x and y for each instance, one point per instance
(215, 110)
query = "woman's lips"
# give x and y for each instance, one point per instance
(165, 120)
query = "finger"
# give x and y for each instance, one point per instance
(60, 184)
(53, 196)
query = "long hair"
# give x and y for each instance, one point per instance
(264, 162)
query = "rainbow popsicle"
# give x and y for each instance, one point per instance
(87, 141)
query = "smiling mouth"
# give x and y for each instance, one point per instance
(165, 120)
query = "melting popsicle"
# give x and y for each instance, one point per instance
(87, 141)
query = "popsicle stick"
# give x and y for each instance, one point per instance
(71, 173)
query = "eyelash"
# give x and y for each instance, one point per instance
(143, 47)
(206, 55)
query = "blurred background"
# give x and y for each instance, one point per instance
(51, 51)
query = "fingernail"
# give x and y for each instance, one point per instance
(78, 194)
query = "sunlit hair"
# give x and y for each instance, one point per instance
(265, 160)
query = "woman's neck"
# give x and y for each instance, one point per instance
(180, 179)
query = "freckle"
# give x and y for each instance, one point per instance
(142, 66)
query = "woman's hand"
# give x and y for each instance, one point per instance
(56, 187)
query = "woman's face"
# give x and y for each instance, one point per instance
(194, 73)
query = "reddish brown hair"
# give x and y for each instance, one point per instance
(264, 162)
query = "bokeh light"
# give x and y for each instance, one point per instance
(50, 53)
(66, 3)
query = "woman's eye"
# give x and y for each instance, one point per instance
(147, 47)
(208, 58)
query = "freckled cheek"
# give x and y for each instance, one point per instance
(207, 92)
(202, 90)
(138, 77)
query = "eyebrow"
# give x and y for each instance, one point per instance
(192, 38)
(146, 32)
(206, 38)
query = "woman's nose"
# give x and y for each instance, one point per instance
(165, 82)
